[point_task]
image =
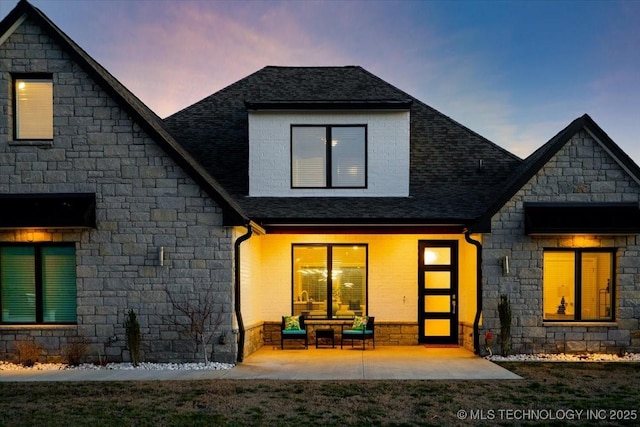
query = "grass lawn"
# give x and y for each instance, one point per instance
(550, 394)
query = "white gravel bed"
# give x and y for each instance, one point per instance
(211, 366)
(216, 366)
(563, 357)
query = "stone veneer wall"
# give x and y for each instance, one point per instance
(254, 338)
(387, 333)
(144, 202)
(580, 172)
(465, 336)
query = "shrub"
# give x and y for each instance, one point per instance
(203, 318)
(504, 312)
(134, 338)
(28, 352)
(74, 353)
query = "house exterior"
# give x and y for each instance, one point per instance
(322, 191)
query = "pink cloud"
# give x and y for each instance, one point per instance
(194, 51)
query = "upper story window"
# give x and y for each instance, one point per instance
(578, 285)
(38, 284)
(33, 107)
(329, 156)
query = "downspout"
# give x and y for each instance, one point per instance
(237, 304)
(476, 320)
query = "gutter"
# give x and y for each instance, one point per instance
(476, 320)
(237, 304)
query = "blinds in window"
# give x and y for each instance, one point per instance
(58, 284)
(308, 157)
(34, 109)
(348, 156)
(18, 284)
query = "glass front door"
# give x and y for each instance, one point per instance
(438, 291)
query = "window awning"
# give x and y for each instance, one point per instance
(76, 210)
(582, 218)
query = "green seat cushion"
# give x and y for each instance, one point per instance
(356, 332)
(294, 332)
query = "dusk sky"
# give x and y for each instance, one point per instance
(516, 72)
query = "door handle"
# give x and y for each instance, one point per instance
(453, 307)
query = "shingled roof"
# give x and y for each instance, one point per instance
(447, 184)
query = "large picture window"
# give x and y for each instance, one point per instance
(578, 285)
(329, 281)
(33, 108)
(38, 284)
(328, 156)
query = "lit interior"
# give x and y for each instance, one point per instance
(311, 284)
(34, 109)
(562, 278)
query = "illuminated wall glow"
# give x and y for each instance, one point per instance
(392, 267)
(27, 236)
(586, 242)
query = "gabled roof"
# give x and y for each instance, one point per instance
(140, 113)
(447, 184)
(541, 156)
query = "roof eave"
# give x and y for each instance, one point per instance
(387, 105)
(364, 226)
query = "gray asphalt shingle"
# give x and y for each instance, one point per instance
(446, 183)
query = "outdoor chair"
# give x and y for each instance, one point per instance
(360, 331)
(293, 328)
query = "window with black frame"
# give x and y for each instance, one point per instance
(329, 281)
(578, 285)
(328, 156)
(38, 284)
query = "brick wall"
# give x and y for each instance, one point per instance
(144, 202)
(387, 153)
(581, 172)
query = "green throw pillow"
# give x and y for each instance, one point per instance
(360, 323)
(292, 323)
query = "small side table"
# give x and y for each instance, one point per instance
(326, 334)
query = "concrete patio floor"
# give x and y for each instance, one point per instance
(381, 363)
